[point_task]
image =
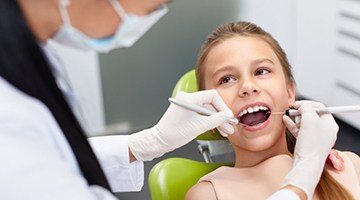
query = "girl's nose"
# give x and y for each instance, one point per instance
(248, 88)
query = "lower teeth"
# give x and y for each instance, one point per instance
(255, 123)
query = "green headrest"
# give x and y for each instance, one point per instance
(170, 179)
(188, 83)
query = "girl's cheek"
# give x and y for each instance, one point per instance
(226, 96)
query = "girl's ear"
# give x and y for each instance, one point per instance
(291, 93)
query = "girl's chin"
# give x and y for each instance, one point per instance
(260, 143)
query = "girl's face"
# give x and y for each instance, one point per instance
(249, 77)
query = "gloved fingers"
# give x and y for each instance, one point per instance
(218, 102)
(328, 118)
(307, 110)
(194, 97)
(199, 98)
(210, 107)
(220, 105)
(310, 107)
(212, 97)
(220, 119)
(226, 129)
(291, 126)
(324, 116)
(232, 121)
(204, 97)
(297, 104)
(318, 105)
(298, 120)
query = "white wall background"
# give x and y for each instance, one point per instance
(275, 17)
(323, 71)
(310, 33)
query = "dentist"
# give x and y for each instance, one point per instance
(44, 153)
(43, 150)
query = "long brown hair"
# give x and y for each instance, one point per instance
(328, 188)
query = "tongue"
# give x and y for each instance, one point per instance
(252, 119)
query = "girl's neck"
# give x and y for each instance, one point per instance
(245, 158)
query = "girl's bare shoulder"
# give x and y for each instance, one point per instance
(201, 190)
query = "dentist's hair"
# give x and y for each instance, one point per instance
(328, 188)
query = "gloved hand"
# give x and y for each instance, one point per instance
(179, 126)
(316, 136)
(333, 159)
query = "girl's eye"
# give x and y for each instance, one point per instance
(262, 71)
(227, 79)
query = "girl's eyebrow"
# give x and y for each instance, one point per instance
(260, 60)
(231, 67)
(222, 69)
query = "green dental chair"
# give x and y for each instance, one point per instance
(170, 179)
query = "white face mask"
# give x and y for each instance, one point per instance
(129, 31)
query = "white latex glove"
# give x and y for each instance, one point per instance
(284, 194)
(316, 136)
(179, 126)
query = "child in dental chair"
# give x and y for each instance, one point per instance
(250, 71)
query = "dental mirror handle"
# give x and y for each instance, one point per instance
(198, 109)
(335, 109)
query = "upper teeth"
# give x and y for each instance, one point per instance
(253, 109)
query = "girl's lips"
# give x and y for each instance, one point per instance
(258, 126)
(253, 104)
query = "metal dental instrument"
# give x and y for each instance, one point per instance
(289, 112)
(335, 109)
(198, 109)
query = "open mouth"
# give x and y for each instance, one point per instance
(254, 115)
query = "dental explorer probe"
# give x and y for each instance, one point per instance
(335, 109)
(198, 109)
(289, 112)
